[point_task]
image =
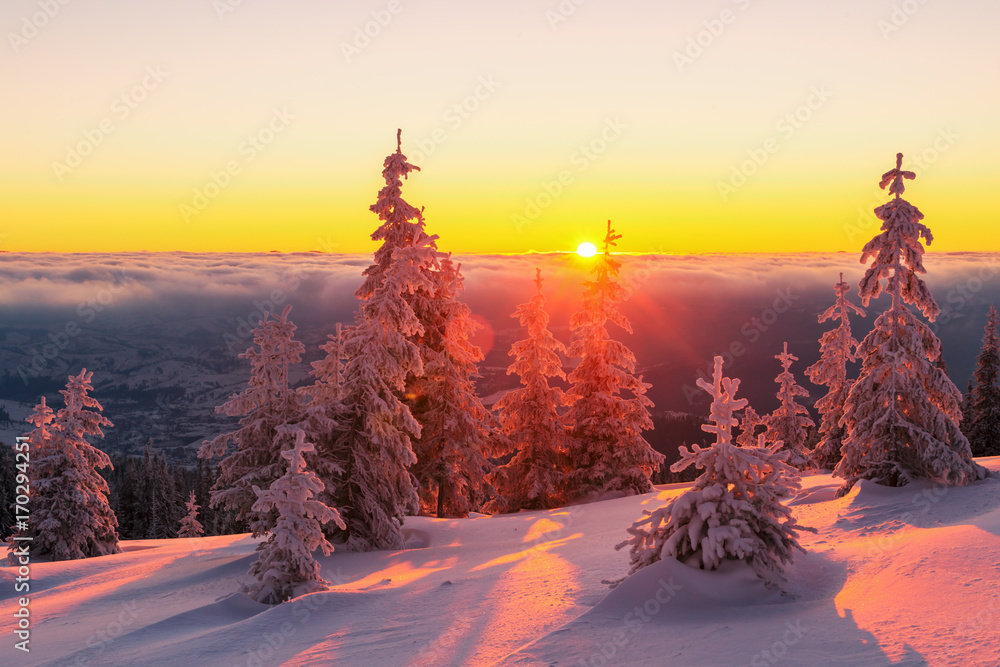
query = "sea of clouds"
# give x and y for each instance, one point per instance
(684, 309)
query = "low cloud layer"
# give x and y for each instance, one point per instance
(684, 309)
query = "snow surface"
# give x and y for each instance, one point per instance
(894, 576)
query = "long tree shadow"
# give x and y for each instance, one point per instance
(921, 505)
(474, 572)
(669, 613)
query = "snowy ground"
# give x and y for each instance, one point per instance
(894, 576)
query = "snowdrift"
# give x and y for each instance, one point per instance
(893, 577)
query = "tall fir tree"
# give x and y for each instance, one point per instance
(606, 449)
(902, 414)
(984, 401)
(373, 442)
(530, 416)
(790, 422)
(456, 435)
(267, 403)
(71, 517)
(451, 472)
(402, 226)
(837, 349)
(734, 511)
(286, 566)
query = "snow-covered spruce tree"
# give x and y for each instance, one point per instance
(285, 565)
(190, 526)
(455, 438)
(267, 403)
(448, 357)
(372, 442)
(41, 446)
(530, 416)
(328, 386)
(70, 514)
(734, 511)
(790, 422)
(606, 450)
(320, 410)
(402, 226)
(451, 480)
(984, 404)
(837, 349)
(748, 428)
(902, 413)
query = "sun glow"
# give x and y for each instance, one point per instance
(586, 249)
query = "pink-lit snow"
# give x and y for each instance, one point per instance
(906, 576)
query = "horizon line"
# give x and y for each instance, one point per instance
(526, 253)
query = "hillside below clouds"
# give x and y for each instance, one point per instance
(162, 331)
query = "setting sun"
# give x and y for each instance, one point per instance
(586, 249)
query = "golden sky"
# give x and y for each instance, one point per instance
(724, 126)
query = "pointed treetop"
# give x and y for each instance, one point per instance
(609, 239)
(42, 415)
(538, 280)
(841, 288)
(296, 455)
(896, 176)
(399, 140)
(786, 358)
(842, 307)
(723, 391)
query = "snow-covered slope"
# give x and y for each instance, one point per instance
(894, 576)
